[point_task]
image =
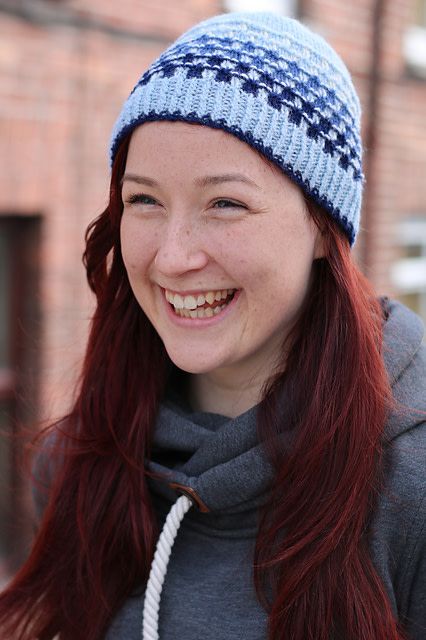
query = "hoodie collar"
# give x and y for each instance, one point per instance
(220, 458)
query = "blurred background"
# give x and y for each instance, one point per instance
(66, 66)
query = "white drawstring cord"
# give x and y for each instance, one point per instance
(159, 564)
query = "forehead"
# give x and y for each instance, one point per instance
(180, 147)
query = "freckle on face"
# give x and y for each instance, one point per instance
(266, 253)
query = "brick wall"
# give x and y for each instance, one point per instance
(65, 68)
(64, 74)
(396, 185)
(167, 18)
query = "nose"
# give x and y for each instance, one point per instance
(179, 251)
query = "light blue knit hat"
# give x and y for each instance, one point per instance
(275, 85)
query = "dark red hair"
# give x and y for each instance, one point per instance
(95, 541)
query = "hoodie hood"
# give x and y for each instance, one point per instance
(217, 459)
(220, 460)
(403, 335)
(405, 359)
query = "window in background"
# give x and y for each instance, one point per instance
(408, 274)
(421, 13)
(415, 41)
(285, 7)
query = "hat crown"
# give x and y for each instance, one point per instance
(273, 83)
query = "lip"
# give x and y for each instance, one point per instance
(198, 322)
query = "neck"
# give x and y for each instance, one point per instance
(226, 393)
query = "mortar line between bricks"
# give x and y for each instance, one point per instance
(65, 18)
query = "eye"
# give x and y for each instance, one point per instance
(226, 204)
(140, 198)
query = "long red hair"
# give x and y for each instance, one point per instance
(96, 538)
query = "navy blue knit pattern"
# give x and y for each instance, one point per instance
(275, 85)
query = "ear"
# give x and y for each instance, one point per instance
(316, 216)
(319, 246)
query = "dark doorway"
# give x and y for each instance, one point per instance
(19, 349)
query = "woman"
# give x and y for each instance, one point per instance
(239, 360)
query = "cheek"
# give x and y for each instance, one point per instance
(293, 247)
(137, 246)
(275, 268)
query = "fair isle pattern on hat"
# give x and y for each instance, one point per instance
(275, 85)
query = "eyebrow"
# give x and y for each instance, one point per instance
(201, 182)
(225, 177)
(132, 177)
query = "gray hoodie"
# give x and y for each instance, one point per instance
(208, 591)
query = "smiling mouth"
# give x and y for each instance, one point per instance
(201, 305)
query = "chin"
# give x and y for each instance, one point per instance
(194, 363)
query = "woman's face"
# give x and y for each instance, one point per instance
(217, 244)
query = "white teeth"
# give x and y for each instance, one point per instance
(190, 302)
(208, 312)
(183, 304)
(177, 301)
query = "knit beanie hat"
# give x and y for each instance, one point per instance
(272, 83)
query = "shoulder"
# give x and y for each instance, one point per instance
(398, 528)
(397, 534)
(404, 472)
(404, 469)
